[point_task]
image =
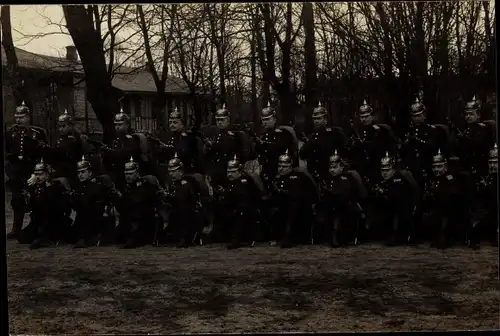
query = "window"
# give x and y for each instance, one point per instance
(146, 108)
(138, 107)
(138, 123)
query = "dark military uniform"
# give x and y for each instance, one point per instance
(370, 145)
(224, 145)
(124, 146)
(270, 145)
(473, 144)
(337, 202)
(92, 199)
(23, 149)
(321, 144)
(139, 205)
(442, 201)
(69, 148)
(419, 145)
(241, 201)
(392, 203)
(183, 200)
(186, 144)
(48, 203)
(292, 197)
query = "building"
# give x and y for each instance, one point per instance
(57, 84)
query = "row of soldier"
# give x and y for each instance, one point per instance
(337, 186)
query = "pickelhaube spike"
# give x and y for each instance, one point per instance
(335, 158)
(22, 110)
(493, 154)
(438, 159)
(387, 161)
(285, 158)
(222, 112)
(365, 109)
(131, 165)
(175, 163)
(64, 117)
(268, 103)
(41, 166)
(268, 111)
(319, 110)
(319, 103)
(234, 164)
(83, 164)
(473, 105)
(175, 114)
(417, 107)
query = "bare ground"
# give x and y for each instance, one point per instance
(209, 289)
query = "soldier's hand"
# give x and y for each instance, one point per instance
(32, 180)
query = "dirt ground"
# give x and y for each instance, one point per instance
(209, 289)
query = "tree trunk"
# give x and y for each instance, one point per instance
(253, 65)
(90, 47)
(310, 60)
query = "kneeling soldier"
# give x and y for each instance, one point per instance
(47, 201)
(337, 201)
(92, 198)
(292, 198)
(141, 201)
(241, 199)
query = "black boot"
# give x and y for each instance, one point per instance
(131, 243)
(37, 243)
(80, 244)
(335, 241)
(17, 225)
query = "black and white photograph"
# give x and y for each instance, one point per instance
(265, 167)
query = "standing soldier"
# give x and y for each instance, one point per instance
(322, 143)
(224, 146)
(23, 144)
(338, 202)
(47, 200)
(183, 200)
(186, 143)
(475, 141)
(485, 207)
(92, 198)
(273, 142)
(140, 203)
(293, 196)
(241, 201)
(419, 144)
(442, 201)
(71, 145)
(370, 145)
(394, 200)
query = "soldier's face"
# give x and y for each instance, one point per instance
(366, 119)
(268, 122)
(41, 177)
(418, 119)
(121, 127)
(319, 121)
(83, 175)
(284, 169)
(175, 125)
(335, 169)
(175, 175)
(131, 176)
(23, 120)
(222, 123)
(233, 174)
(439, 169)
(387, 173)
(471, 116)
(64, 128)
(493, 167)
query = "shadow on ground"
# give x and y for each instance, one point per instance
(209, 289)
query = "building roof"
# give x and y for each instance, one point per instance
(126, 79)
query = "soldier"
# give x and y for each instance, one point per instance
(485, 206)
(241, 201)
(92, 198)
(442, 200)
(47, 200)
(337, 203)
(71, 145)
(183, 198)
(419, 144)
(370, 145)
(293, 197)
(224, 145)
(474, 142)
(321, 144)
(186, 143)
(273, 142)
(23, 144)
(393, 202)
(140, 203)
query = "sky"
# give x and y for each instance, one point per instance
(30, 20)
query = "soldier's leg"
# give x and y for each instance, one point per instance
(18, 204)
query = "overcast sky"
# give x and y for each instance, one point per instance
(30, 19)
